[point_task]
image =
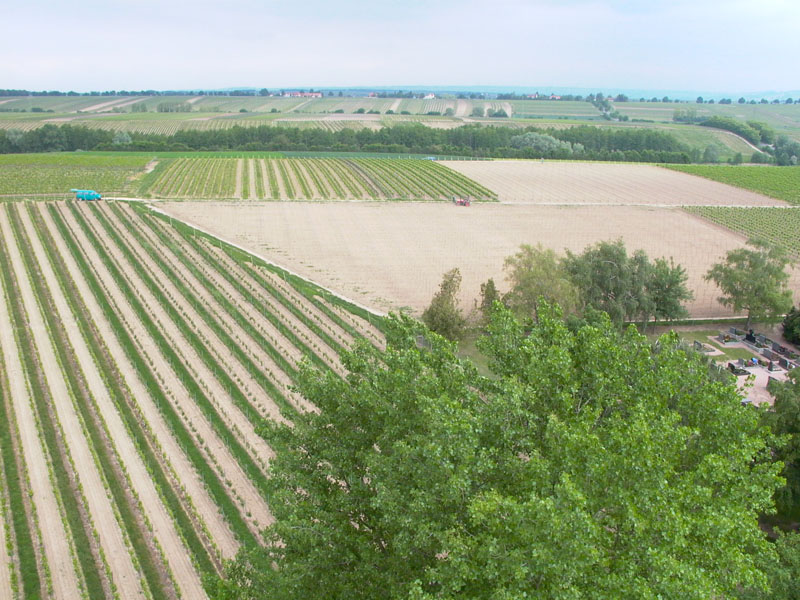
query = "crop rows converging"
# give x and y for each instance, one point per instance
(777, 225)
(310, 179)
(777, 182)
(58, 173)
(139, 361)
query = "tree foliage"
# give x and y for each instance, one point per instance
(791, 326)
(627, 287)
(443, 315)
(592, 465)
(784, 420)
(754, 279)
(536, 273)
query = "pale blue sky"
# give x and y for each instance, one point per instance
(725, 46)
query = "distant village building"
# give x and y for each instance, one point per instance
(429, 96)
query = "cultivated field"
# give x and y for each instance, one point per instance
(782, 183)
(784, 118)
(308, 179)
(138, 361)
(393, 255)
(58, 173)
(780, 226)
(534, 182)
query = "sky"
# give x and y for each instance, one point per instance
(733, 46)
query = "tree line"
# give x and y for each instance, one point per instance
(586, 142)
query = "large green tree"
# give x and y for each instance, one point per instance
(593, 464)
(535, 273)
(666, 287)
(754, 279)
(612, 281)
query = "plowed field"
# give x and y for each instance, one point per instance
(393, 255)
(551, 182)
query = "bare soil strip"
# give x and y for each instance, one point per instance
(237, 193)
(217, 453)
(54, 535)
(164, 529)
(102, 105)
(172, 454)
(265, 177)
(115, 546)
(576, 183)
(251, 169)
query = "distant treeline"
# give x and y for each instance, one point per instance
(582, 142)
(26, 93)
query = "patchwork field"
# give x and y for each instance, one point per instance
(138, 360)
(392, 255)
(534, 182)
(309, 179)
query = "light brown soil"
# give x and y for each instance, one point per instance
(390, 255)
(234, 367)
(181, 467)
(51, 527)
(186, 577)
(251, 172)
(125, 575)
(214, 448)
(555, 182)
(224, 403)
(239, 177)
(109, 104)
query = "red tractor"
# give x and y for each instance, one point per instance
(461, 201)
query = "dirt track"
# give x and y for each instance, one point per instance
(557, 182)
(390, 255)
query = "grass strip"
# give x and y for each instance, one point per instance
(114, 383)
(212, 481)
(13, 473)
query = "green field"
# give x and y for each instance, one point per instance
(266, 178)
(55, 173)
(778, 225)
(784, 118)
(782, 183)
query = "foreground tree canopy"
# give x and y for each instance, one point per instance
(593, 464)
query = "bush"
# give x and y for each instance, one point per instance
(443, 316)
(791, 326)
